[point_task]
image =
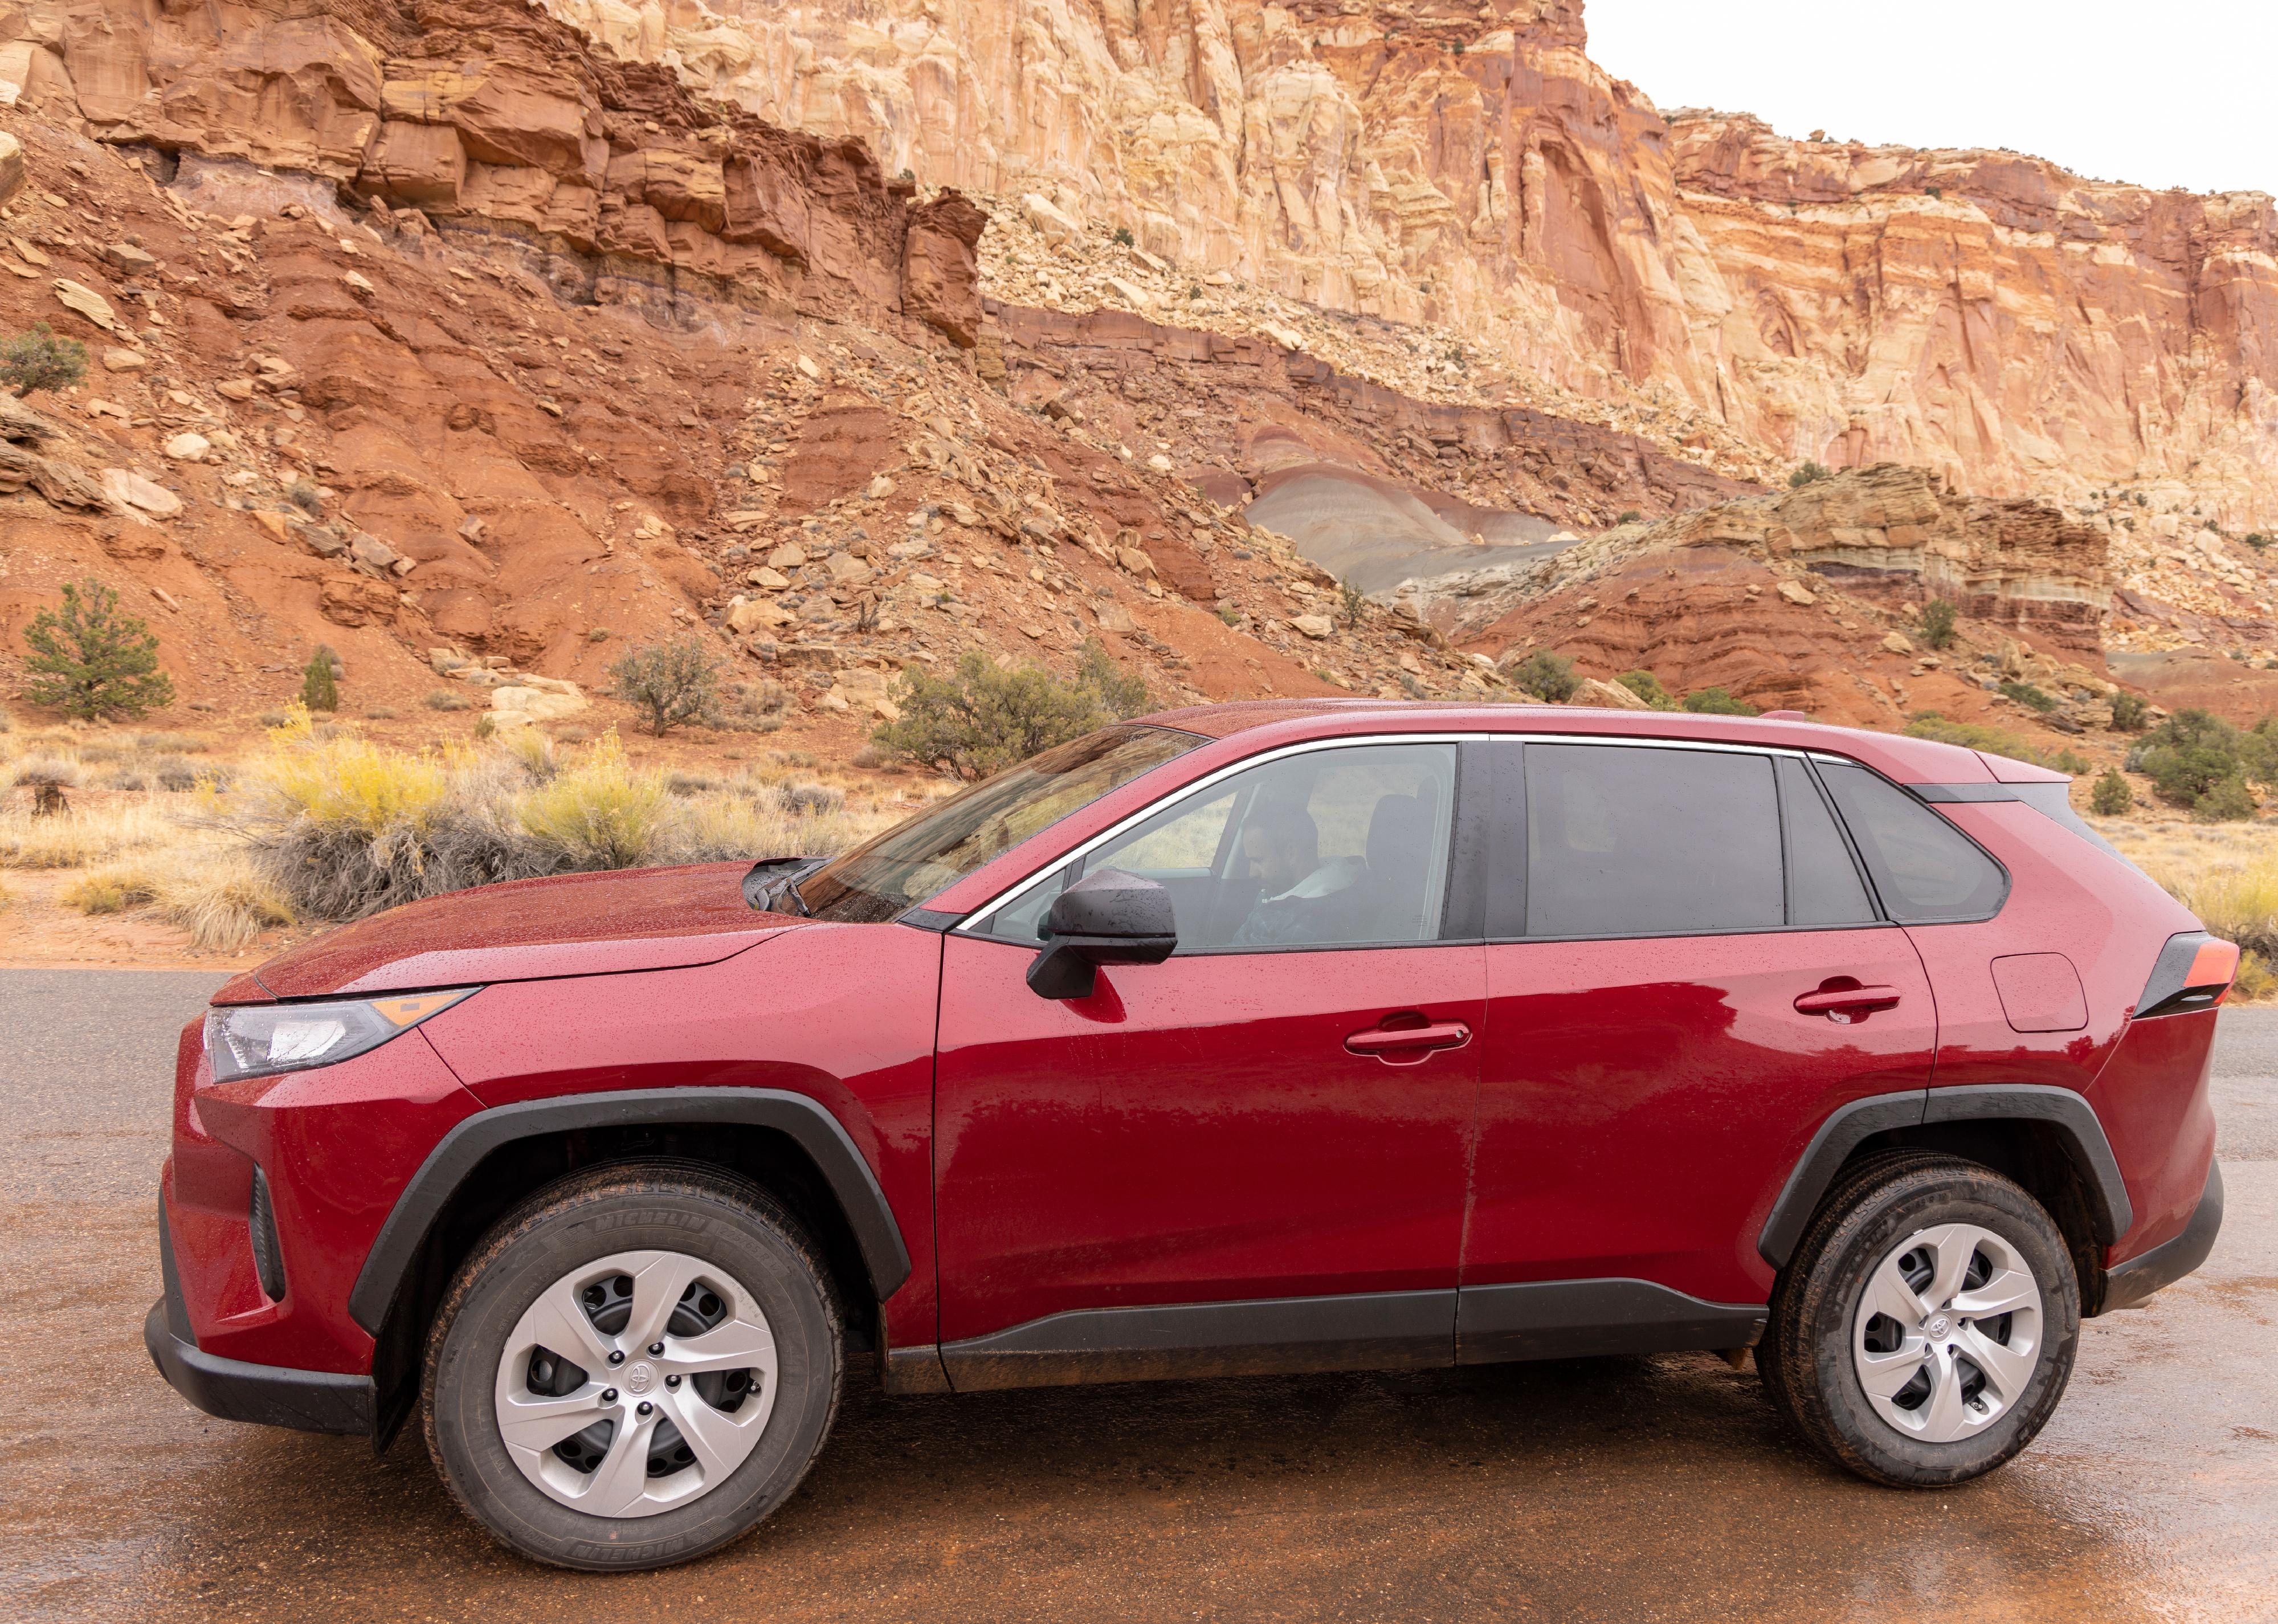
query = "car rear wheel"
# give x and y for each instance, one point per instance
(1925, 1328)
(633, 1369)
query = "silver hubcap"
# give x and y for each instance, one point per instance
(1947, 1333)
(636, 1383)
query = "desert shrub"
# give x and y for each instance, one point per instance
(1647, 687)
(1936, 623)
(89, 660)
(981, 718)
(220, 897)
(2111, 797)
(320, 680)
(668, 683)
(1717, 702)
(38, 360)
(2132, 713)
(351, 783)
(1351, 599)
(1230, 615)
(40, 771)
(1630, 516)
(2227, 801)
(2025, 693)
(2191, 752)
(1123, 236)
(533, 752)
(2071, 760)
(2253, 982)
(1546, 675)
(173, 774)
(1805, 475)
(602, 812)
(444, 698)
(380, 713)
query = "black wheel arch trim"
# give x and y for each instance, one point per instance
(2111, 1212)
(804, 1119)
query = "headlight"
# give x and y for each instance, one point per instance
(257, 1040)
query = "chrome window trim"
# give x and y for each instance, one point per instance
(1020, 888)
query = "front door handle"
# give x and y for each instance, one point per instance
(1847, 1004)
(1404, 1045)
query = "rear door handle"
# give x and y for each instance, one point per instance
(1401, 1046)
(1846, 1004)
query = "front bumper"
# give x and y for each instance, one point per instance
(308, 1400)
(2132, 1283)
(271, 1395)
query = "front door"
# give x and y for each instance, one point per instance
(1691, 976)
(1252, 1155)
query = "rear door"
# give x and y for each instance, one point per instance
(1687, 975)
(1252, 1155)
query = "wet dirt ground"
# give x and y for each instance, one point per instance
(1659, 1489)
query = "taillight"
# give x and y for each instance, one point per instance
(2194, 971)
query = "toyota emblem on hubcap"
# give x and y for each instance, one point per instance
(639, 1379)
(1937, 1327)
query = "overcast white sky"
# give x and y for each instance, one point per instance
(2175, 93)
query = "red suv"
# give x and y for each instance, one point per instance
(1256, 1038)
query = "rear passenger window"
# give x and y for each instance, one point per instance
(1928, 871)
(1627, 841)
(1823, 887)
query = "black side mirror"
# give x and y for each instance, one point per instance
(1109, 917)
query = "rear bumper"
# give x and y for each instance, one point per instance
(307, 1400)
(2132, 1283)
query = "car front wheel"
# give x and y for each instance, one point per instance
(633, 1369)
(1925, 1328)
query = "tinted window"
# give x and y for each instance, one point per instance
(1626, 842)
(1823, 887)
(918, 859)
(1927, 870)
(1328, 848)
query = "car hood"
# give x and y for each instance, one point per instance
(578, 924)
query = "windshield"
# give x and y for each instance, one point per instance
(922, 858)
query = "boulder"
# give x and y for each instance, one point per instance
(520, 702)
(130, 489)
(11, 168)
(941, 280)
(189, 448)
(1050, 222)
(1315, 626)
(1606, 696)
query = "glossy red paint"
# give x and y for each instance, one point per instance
(1219, 1126)
(1643, 1100)
(842, 1014)
(1198, 1132)
(2152, 1098)
(578, 925)
(2064, 897)
(338, 1145)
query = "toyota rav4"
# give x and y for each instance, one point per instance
(1260, 1037)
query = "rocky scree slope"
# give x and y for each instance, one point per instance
(500, 364)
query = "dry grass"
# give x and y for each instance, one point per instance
(214, 892)
(81, 836)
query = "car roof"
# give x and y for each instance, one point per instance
(1895, 756)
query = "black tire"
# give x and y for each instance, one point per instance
(1806, 1358)
(709, 1216)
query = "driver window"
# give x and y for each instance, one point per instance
(1336, 848)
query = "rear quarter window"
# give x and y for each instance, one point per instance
(1927, 871)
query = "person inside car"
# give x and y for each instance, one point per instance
(1297, 890)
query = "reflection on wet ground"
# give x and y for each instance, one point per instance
(1650, 1488)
